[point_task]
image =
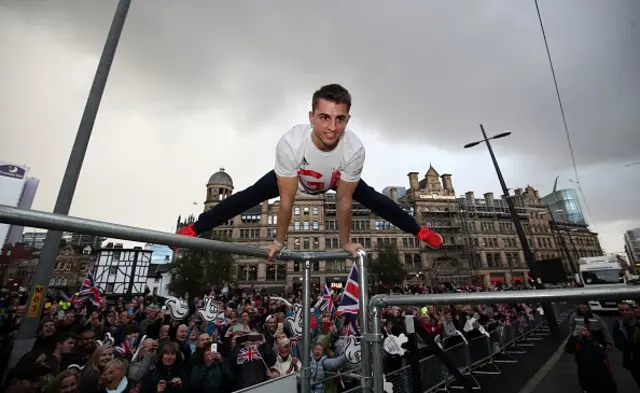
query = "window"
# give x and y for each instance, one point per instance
(281, 272)
(296, 211)
(296, 225)
(113, 269)
(305, 210)
(315, 210)
(315, 225)
(305, 243)
(83, 267)
(248, 273)
(109, 288)
(271, 272)
(337, 266)
(316, 243)
(305, 226)
(116, 255)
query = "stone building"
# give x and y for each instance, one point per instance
(480, 241)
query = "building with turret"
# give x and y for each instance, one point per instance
(480, 243)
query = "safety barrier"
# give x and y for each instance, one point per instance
(477, 355)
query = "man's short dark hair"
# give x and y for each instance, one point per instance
(333, 93)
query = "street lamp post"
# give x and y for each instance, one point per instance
(528, 254)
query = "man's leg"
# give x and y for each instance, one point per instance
(392, 212)
(264, 189)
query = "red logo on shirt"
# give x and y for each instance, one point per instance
(312, 184)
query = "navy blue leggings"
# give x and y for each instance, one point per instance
(267, 188)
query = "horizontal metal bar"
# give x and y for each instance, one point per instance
(59, 222)
(541, 296)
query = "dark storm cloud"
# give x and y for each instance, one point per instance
(420, 71)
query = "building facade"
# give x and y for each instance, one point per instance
(18, 265)
(632, 247)
(16, 190)
(565, 206)
(72, 265)
(159, 278)
(121, 271)
(480, 242)
(574, 238)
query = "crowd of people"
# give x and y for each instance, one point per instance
(135, 346)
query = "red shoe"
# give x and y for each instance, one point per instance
(187, 230)
(428, 236)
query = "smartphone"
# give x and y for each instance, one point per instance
(60, 314)
(280, 326)
(130, 310)
(214, 347)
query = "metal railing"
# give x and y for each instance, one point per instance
(488, 351)
(60, 222)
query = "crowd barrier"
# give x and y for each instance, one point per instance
(480, 355)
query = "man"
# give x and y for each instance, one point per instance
(313, 159)
(626, 335)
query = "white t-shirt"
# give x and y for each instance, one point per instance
(318, 171)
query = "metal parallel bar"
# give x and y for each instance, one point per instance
(60, 222)
(365, 344)
(305, 356)
(376, 349)
(543, 295)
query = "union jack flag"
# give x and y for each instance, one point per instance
(122, 349)
(350, 302)
(249, 354)
(88, 290)
(327, 301)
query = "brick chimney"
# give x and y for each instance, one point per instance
(488, 198)
(447, 184)
(470, 196)
(414, 184)
(393, 194)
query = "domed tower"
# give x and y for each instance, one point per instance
(219, 187)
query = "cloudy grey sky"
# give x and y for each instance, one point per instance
(202, 84)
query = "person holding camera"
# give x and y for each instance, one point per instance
(594, 370)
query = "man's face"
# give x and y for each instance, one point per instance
(88, 339)
(329, 121)
(181, 334)
(68, 345)
(626, 311)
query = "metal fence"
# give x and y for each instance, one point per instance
(478, 355)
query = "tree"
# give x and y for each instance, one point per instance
(387, 267)
(197, 271)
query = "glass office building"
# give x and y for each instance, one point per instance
(565, 206)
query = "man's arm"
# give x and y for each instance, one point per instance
(287, 172)
(347, 184)
(344, 199)
(288, 186)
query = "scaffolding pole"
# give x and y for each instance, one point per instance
(60, 222)
(543, 296)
